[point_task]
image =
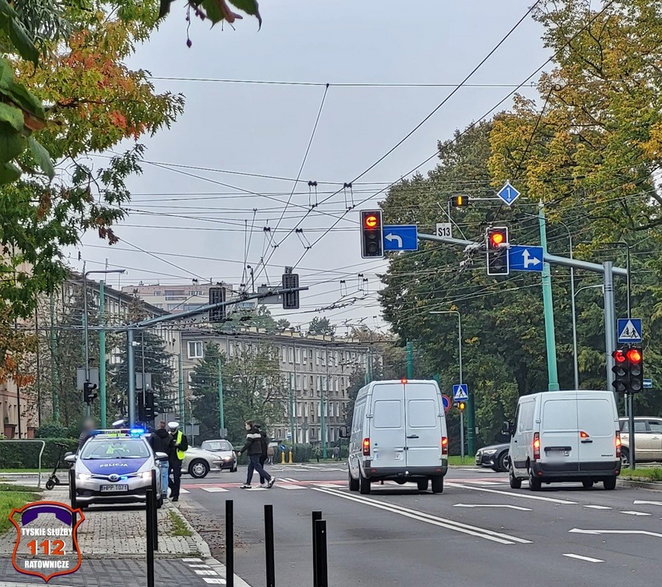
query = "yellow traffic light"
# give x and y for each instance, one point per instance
(461, 406)
(460, 201)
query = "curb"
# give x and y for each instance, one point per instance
(652, 485)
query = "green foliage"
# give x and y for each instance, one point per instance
(57, 430)
(12, 497)
(16, 455)
(217, 10)
(321, 326)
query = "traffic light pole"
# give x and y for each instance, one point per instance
(548, 305)
(221, 410)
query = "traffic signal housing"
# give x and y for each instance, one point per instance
(291, 299)
(460, 201)
(217, 295)
(496, 246)
(372, 234)
(628, 369)
(620, 371)
(89, 392)
(635, 358)
(461, 406)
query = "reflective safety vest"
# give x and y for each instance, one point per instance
(178, 439)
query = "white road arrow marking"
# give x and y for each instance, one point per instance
(390, 237)
(588, 559)
(641, 502)
(485, 505)
(596, 532)
(633, 513)
(529, 260)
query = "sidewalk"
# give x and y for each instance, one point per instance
(113, 545)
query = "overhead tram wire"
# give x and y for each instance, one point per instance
(430, 115)
(163, 260)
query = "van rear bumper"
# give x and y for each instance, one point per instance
(576, 470)
(395, 473)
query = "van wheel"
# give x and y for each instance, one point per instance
(422, 484)
(515, 482)
(534, 482)
(610, 483)
(364, 484)
(438, 484)
(587, 483)
(353, 483)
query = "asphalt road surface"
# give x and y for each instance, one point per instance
(477, 532)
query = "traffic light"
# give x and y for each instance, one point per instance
(635, 357)
(460, 201)
(496, 245)
(217, 295)
(628, 369)
(149, 406)
(372, 234)
(620, 370)
(89, 392)
(461, 406)
(291, 299)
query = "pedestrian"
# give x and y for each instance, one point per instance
(317, 452)
(179, 445)
(161, 441)
(86, 432)
(265, 454)
(271, 453)
(336, 453)
(253, 448)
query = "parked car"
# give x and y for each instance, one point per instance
(198, 462)
(565, 436)
(494, 456)
(647, 439)
(224, 449)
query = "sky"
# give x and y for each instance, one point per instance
(199, 212)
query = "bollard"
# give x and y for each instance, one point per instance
(317, 515)
(229, 543)
(155, 522)
(150, 505)
(320, 540)
(282, 457)
(289, 462)
(269, 544)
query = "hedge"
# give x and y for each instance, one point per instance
(19, 455)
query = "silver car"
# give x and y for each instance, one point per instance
(224, 449)
(198, 462)
(114, 467)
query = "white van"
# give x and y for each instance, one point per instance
(399, 433)
(565, 436)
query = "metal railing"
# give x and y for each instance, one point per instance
(41, 452)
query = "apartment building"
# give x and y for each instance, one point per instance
(174, 298)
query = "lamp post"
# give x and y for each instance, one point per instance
(86, 329)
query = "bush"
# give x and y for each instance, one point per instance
(19, 455)
(55, 430)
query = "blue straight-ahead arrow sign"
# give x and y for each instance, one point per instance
(400, 237)
(524, 258)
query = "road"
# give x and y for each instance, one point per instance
(478, 532)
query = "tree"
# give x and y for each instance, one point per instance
(215, 10)
(253, 389)
(321, 326)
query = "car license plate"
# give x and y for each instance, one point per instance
(109, 488)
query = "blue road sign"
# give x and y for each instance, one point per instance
(508, 193)
(629, 330)
(648, 383)
(447, 402)
(460, 392)
(523, 258)
(401, 237)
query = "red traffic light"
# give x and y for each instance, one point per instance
(371, 221)
(634, 356)
(619, 356)
(497, 238)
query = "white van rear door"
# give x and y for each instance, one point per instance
(559, 433)
(423, 425)
(597, 429)
(387, 428)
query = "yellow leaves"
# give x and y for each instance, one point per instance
(652, 148)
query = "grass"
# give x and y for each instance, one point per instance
(179, 528)
(647, 474)
(26, 471)
(13, 496)
(457, 460)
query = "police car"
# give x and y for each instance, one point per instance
(115, 466)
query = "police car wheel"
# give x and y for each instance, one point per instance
(198, 469)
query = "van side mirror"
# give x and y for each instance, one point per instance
(343, 432)
(508, 428)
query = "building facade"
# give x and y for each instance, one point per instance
(172, 298)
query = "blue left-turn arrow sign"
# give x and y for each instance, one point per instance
(400, 237)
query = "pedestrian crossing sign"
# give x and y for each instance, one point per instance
(629, 330)
(460, 392)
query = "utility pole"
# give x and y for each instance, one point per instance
(295, 429)
(103, 398)
(131, 376)
(55, 399)
(610, 322)
(180, 370)
(323, 414)
(38, 358)
(410, 360)
(221, 412)
(548, 303)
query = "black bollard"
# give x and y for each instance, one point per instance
(269, 544)
(320, 540)
(150, 506)
(155, 521)
(317, 515)
(229, 543)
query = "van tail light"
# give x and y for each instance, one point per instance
(366, 447)
(618, 444)
(583, 434)
(444, 445)
(536, 446)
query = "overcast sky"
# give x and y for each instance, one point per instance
(196, 225)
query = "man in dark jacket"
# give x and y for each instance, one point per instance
(161, 441)
(263, 457)
(253, 448)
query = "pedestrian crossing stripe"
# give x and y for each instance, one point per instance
(214, 489)
(283, 486)
(183, 491)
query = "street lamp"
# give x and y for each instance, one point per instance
(85, 323)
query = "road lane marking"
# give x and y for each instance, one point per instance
(191, 560)
(642, 502)
(522, 495)
(642, 532)
(284, 486)
(216, 581)
(584, 558)
(477, 531)
(214, 489)
(491, 505)
(486, 482)
(597, 507)
(633, 513)
(183, 491)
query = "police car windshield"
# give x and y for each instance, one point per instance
(114, 448)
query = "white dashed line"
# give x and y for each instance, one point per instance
(588, 559)
(633, 513)
(597, 507)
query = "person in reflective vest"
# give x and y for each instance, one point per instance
(178, 449)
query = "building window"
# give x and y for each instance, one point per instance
(297, 356)
(195, 350)
(290, 354)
